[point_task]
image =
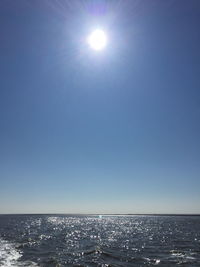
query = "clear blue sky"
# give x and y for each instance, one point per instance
(116, 131)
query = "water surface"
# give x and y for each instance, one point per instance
(63, 240)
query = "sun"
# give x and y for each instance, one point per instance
(97, 40)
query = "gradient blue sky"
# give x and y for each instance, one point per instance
(116, 131)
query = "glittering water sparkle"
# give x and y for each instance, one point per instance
(43, 240)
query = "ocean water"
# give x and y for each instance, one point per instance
(63, 240)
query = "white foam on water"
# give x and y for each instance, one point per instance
(9, 255)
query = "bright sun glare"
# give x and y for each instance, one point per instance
(97, 39)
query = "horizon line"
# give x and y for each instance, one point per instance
(108, 214)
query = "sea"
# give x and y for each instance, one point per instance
(99, 240)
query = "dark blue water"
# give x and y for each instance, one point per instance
(47, 240)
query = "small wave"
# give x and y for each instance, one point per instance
(183, 257)
(183, 254)
(9, 255)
